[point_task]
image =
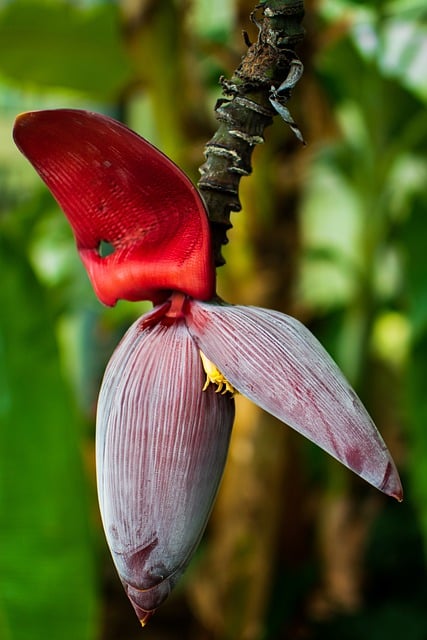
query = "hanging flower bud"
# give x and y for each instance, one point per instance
(166, 405)
(161, 447)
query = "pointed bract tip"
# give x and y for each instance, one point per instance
(24, 117)
(21, 116)
(144, 620)
(391, 484)
(20, 120)
(143, 616)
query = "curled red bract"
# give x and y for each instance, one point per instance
(116, 188)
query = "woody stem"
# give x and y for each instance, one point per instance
(246, 110)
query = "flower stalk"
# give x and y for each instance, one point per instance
(257, 91)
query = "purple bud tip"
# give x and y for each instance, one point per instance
(142, 614)
(391, 484)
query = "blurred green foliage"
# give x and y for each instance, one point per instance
(362, 284)
(46, 562)
(56, 44)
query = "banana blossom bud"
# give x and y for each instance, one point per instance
(166, 407)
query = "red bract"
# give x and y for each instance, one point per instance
(276, 361)
(107, 180)
(165, 408)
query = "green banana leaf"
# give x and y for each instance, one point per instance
(47, 585)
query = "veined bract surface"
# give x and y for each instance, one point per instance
(166, 409)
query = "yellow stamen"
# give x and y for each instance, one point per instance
(214, 375)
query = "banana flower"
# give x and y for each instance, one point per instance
(166, 407)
